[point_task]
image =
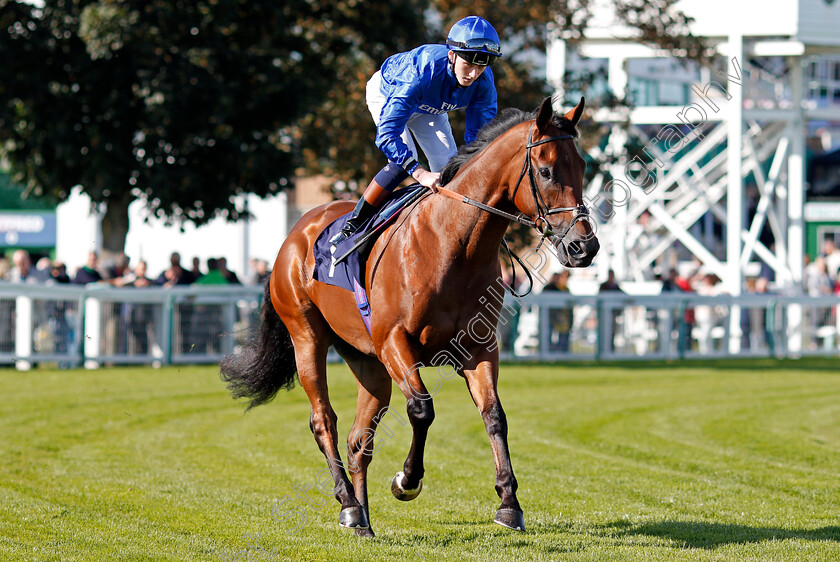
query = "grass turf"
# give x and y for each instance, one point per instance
(735, 460)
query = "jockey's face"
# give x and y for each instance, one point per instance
(465, 72)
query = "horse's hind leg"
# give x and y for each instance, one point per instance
(310, 342)
(371, 407)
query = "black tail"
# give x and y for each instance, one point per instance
(266, 363)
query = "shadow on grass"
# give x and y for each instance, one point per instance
(694, 534)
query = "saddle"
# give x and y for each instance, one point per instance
(343, 265)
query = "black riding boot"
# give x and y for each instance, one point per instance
(360, 214)
(371, 200)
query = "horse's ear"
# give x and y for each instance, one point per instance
(544, 114)
(575, 114)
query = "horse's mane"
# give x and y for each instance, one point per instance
(504, 121)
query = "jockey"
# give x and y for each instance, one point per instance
(411, 95)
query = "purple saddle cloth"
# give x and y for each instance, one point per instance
(349, 272)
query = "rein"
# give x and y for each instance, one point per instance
(543, 210)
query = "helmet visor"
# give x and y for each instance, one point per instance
(478, 43)
(477, 59)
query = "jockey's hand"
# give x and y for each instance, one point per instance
(427, 179)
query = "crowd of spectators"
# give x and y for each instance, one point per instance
(121, 272)
(700, 325)
(128, 327)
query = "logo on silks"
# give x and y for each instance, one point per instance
(444, 108)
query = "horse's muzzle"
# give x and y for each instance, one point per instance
(575, 250)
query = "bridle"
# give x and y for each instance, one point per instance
(543, 210)
(540, 223)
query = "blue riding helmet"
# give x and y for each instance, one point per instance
(475, 40)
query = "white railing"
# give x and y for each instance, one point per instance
(671, 326)
(94, 326)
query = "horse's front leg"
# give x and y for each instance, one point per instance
(482, 381)
(400, 357)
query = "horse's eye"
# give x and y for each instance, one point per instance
(545, 173)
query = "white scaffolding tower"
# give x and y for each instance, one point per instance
(741, 121)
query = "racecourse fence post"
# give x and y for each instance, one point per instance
(166, 329)
(93, 332)
(770, 327)
(76, 347)
(544, 333)
(227, 336)
(23, 332)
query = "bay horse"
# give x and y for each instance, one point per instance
(431, 276)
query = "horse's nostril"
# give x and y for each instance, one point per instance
(576, 250)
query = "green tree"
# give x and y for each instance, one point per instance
(184, 103)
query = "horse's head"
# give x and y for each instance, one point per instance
(550, 186)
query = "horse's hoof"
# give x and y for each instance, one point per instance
(510, 518)
(353, 518)
(368, 533)
(401, 493)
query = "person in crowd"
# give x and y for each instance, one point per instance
(58, 272)
(140, 315)
(88, 273)
(214, 275)
(117, 270)
(560, 319)
(748, 317)
(22, 270)
(175, 274)
(202, 331)
(831, 253)
(137, 277)
(763, 318)
(231, 277)
(670, 284)
(674, 283)
(818, 281)
(196, 268)
(705, 316)
(818, 284)
(611, 286)
(5, 269)
(259, 272)
(42, 269)
(57, 311)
